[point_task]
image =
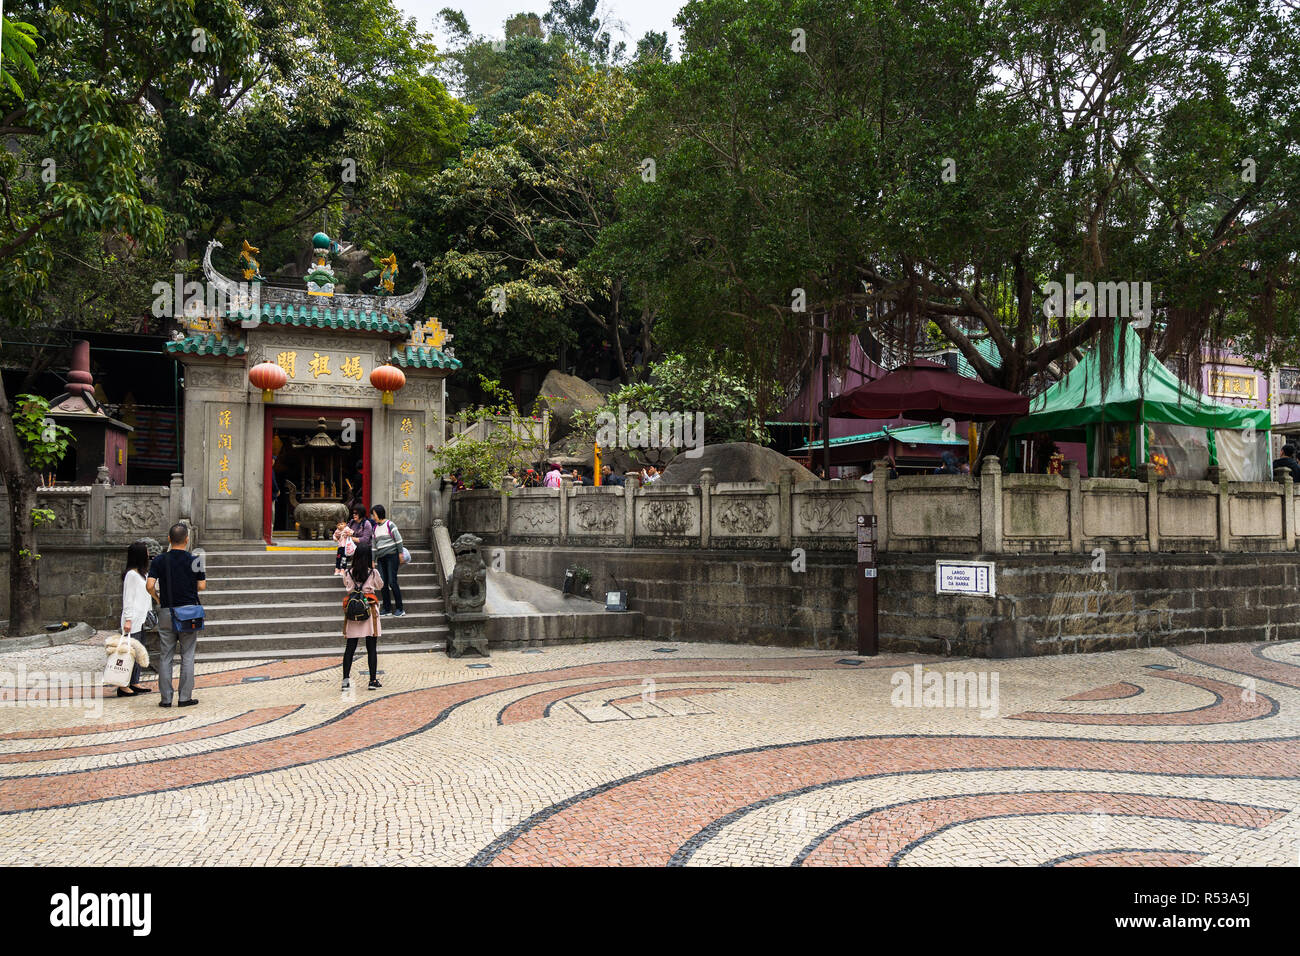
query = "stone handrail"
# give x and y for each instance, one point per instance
(533, 429)
(443, 556)
(993, 513)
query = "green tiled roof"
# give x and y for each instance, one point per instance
(424, 356)
(323, 317)
(208, 343)
(908, 435)
(987, 348)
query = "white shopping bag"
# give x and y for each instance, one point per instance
(117, 673)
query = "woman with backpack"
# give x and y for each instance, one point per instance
(388, 555)
(360, 614)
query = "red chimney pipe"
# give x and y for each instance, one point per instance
(79, 378)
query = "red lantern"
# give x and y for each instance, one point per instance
(388, 379)
(268, 377)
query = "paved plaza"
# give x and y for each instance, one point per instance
(643, 753)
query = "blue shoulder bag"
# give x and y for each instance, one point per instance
(188, 617)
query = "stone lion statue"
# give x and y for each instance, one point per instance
(468, 577)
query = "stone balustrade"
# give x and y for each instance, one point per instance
(741, 515)
(104, 514)
(993, 513)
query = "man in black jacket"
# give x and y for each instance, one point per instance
(175, 579)
(1289, 462)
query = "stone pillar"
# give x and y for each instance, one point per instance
(880, 501)
(1220, 477)
(97, 519)
(706, 506)
(991, 506)
(1153, 506)
(785, 509)
(631, 483)
(1283, 475)
(506, 486)
(1076, 506)
(566, 490)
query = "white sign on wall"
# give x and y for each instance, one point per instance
(965, 577)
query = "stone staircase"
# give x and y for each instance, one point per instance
(276, 604)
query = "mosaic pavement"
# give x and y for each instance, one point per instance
(675, 754)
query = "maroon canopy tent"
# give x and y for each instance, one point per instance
(928, 392)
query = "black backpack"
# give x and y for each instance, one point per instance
(356, 607)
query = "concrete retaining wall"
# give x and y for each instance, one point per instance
(1048, 604)
(77, 584)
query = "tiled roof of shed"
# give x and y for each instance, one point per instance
(208, 343)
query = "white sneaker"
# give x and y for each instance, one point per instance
(347, 683)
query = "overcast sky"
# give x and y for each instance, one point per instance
(488, 17)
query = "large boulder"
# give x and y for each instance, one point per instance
(563, 395)
(735, 461)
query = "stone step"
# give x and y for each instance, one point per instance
(221, 615)
(309, 643)
(321, 595)
(298, 561)
(333, 653)
(303, 572)
(268, 604)
(290, 556)
(225, 625)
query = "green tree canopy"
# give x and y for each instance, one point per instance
(914, 165)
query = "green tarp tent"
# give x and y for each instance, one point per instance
(1142, 390)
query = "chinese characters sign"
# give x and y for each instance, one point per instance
(311, 365)
(407, 456)
(1227, 385)
(224, 444)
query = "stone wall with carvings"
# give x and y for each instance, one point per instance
(958, 514)
(108, 515)
(739, 515)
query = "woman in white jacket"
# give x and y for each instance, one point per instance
(136, 605)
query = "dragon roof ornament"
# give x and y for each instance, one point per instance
(279, 295)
